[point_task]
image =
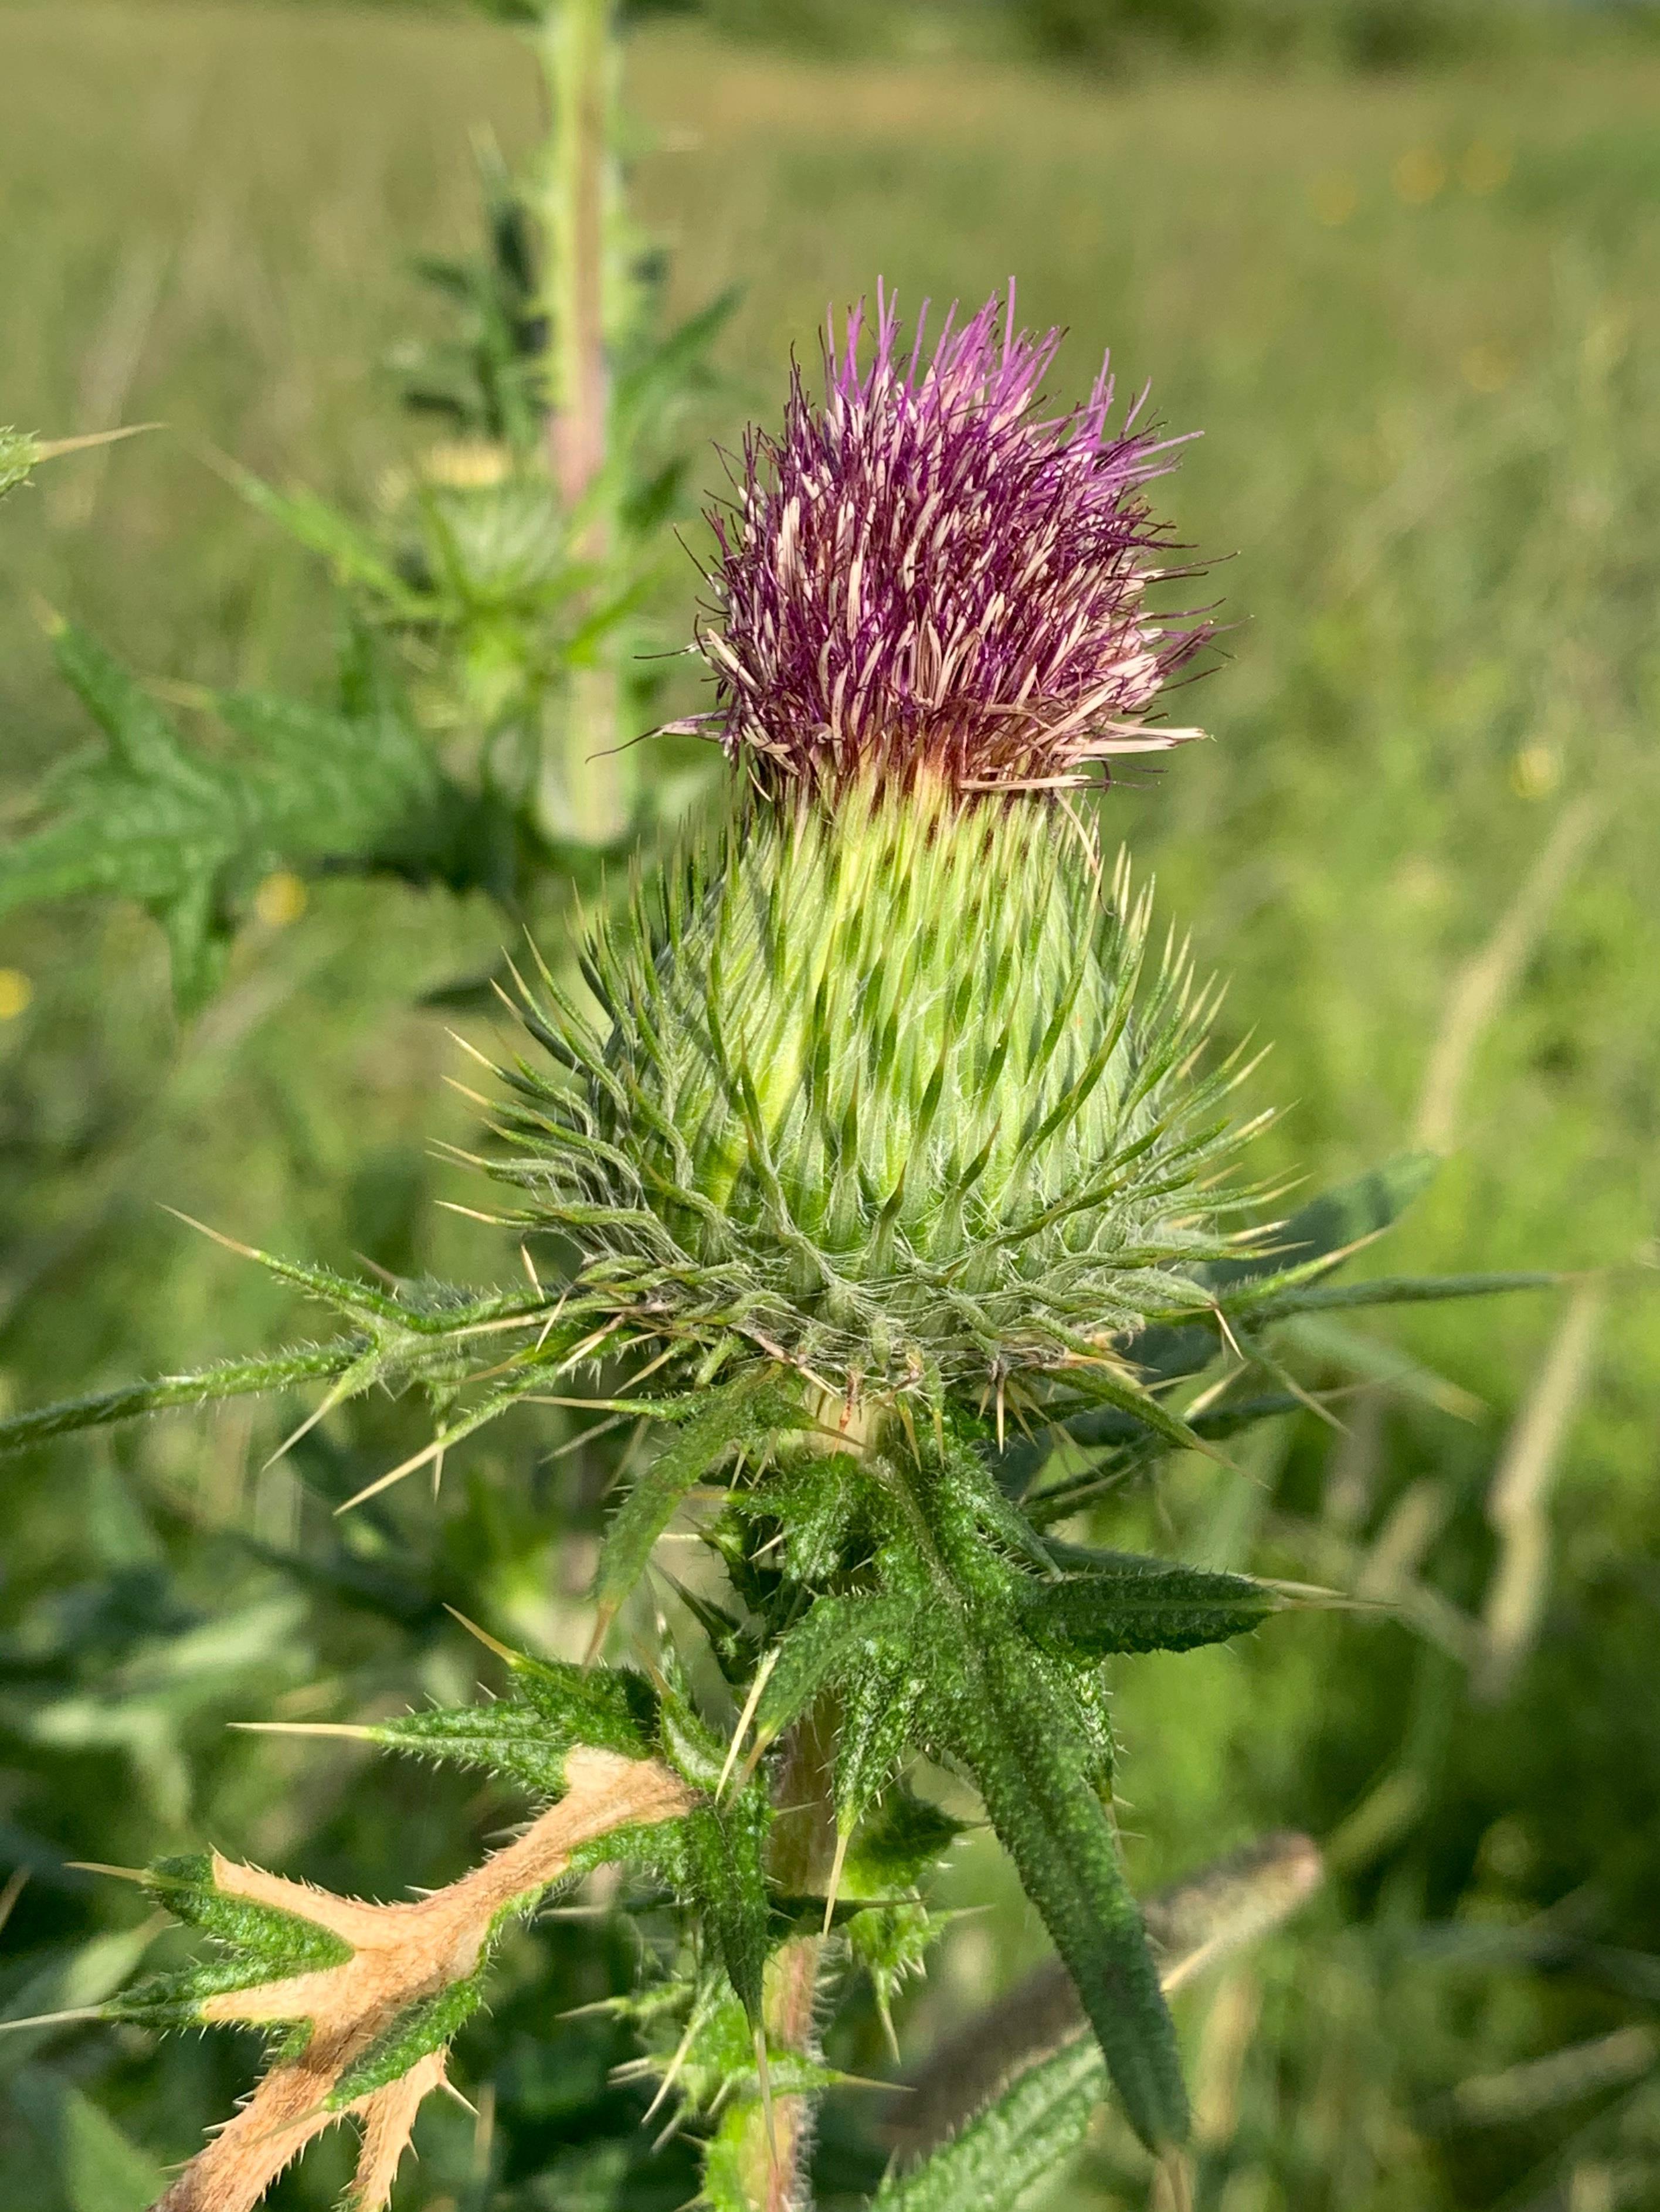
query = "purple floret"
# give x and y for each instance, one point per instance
(923, 574)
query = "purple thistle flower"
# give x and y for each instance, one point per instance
(925, 576)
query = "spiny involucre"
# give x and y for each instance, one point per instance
(888, 1102)
(883, 1083)
(924, 573)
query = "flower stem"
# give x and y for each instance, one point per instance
(780, 2136)
(590, 800)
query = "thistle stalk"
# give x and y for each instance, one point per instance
(586, 795)
(801, 1863)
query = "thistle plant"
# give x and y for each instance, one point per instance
(492, 605)
(878, 1163)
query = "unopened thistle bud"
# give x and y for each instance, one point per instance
(881, 1085)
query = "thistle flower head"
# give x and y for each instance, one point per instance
(926, 576)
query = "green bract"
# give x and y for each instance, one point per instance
(895, 1095)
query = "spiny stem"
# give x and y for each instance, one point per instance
(803, 1853)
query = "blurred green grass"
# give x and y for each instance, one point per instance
(1417, 322)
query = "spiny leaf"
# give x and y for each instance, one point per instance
(234, 1379)
(714, 1858)
(1029, 1760)
(1104, 1386)
(832, 1638)
(890, 1942)
(883, 1704)
(507, 1740)
(1390, 1290)
(1273, 1283)
(259, 1943)
(899, 1844)
(1104, 1425)
(724, 1860)
(747, 1410)
(613, 1707)
(1335, 1220)
(1332, 1223)
(1128, 1603)
(817, 1498)
(736, 1648)
(1017, 2143)
(272, 1940)
(425, 2027)
(188, 837)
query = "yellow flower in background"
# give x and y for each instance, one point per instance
(467, 464)
(1418, 175)
(281, 899)
(17, 994)
(1536, 772)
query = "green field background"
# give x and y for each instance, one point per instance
(1417, 320)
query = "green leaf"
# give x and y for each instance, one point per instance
(1106, 1386)
(275, 1942)
(1133, 1604)
(890, 1943)
(724, 1852)
(1019, 2142)
(744, 1412)
(1030, 1758)
(259, 1944)
(817, 1500)
(612, 1707)
(1337, 1219)
(353, 555)
(1135, 1449)
(524, 1738)
(1327, 1225)
(150, 819)
(897, 1844)
(1387, 1290)
(736, 1648)
(830, 1640)
(714, 1858)
(98, 2168)
(1266, 1285)
(507, 1740)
